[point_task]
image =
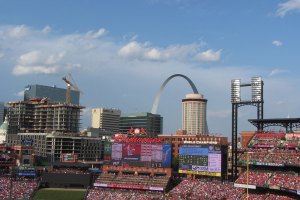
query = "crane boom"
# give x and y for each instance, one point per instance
(68, 92)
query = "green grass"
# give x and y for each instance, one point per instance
(59, 194)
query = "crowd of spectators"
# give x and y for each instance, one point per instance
(188, 189)
(278, 197)
(265, 196)
(258, 178)
(274, 140)
(124, 194)
(204, 189)
(213, 189)
(285, 180)
(274, 156)
(16, 188)
(255, 196)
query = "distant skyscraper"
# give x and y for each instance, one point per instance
(194, 114)
(53, 94)
(107, 119)
(152, 123)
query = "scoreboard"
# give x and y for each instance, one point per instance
(68, 157)
(140, 154)
(202, 159)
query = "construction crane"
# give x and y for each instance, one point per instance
(69, 85)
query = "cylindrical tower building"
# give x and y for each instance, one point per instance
(194, 114)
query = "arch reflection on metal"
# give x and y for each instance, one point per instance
(157, 98)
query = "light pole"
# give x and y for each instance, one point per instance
(247, 153)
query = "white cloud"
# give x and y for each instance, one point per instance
(1, 55)
(29, 58)
(209, 56)
(288, 6)
(277, 43)
(54, 59)
(90, 47)
(101, 32)
(35, 62)
(20, 94)
(145, 51)
(132, 49)
(277, 71)
(26, 70)
(18, 31)
(153, 54)
(130, 37)
(47, 30)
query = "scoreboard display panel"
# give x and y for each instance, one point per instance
(202, 159)
(141, 154)
(68, 157)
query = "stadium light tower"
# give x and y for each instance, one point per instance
(236, 100)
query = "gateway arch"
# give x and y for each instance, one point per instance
(157, 98)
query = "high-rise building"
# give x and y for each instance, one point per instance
(152, 123)
(105, 118)
(194, 114)
(53, 94)
(38, 116)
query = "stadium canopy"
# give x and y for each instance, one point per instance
(287, 123)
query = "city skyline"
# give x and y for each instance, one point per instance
(120, 52)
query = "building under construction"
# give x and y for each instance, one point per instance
(40, 116)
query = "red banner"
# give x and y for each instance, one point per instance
(140, 187)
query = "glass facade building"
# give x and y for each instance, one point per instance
(152, 123)
(53, 93)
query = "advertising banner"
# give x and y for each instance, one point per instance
(166, 155)
(244, 186)
(218, 174)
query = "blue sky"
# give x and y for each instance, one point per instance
(120, 52)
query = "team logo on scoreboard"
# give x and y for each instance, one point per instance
(137, 132)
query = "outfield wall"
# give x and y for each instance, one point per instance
(62, 180)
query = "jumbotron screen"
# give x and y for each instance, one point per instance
(202, 159)
(141, 154)
(68, 157)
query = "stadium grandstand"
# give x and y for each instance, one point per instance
(271, 162)
(138, 167)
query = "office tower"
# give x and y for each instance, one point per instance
(53, 94)
(39, 116)
(194, 114)
(152, 123)
(105, 118)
